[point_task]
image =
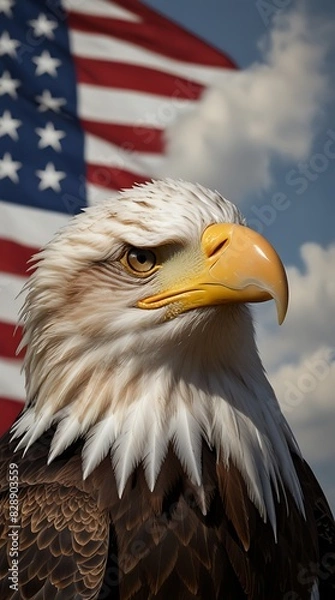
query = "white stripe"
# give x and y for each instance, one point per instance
(126, 107)
(100, 8)
(97, 194)
(103, 47)
(100, 152)
(12, 381)
(31, 226)
(11, 298)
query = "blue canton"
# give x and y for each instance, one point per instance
(41, 139)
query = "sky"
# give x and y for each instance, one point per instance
(266, 140)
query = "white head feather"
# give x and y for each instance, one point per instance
(129, 381)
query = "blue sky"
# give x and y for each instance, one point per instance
(237, 27)
(293, 170)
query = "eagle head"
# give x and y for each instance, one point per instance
(138, 337)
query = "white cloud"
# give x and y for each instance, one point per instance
(306, 394)
(310, 322)
(265, 111)
(300, 359)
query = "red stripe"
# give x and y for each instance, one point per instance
(14, 257)
(10, 336)
(134, 77)
(111, 177)
(9, 410)
(131, 138)
(156, 34)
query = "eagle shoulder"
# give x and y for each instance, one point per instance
(59, 540)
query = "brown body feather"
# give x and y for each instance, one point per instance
(78, 540)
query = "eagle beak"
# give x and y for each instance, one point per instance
(239, 265)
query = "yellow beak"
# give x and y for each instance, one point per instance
(239, 265)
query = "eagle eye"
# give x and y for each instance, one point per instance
(141, 260)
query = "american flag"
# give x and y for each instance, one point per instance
(87, 90)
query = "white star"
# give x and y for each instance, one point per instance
(9, 168)
(42, 26)
(8, 45)
(8, 125)
(6, 7)
(50, 137)
(8, 85)
(47, 102)
(50, 178)
(46, 64)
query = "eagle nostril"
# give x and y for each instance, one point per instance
(217, 248)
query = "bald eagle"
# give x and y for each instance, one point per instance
(151, 460)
